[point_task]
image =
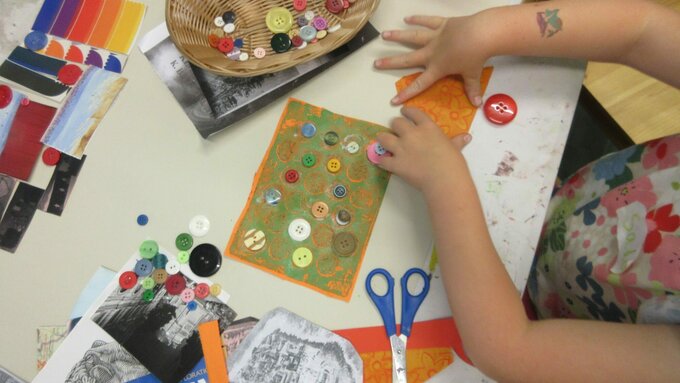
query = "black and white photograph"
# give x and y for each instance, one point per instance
(284, 347)
(6, 189)
(18, 216)
(163, 333)
(237, 332)
(61, 184)
(214, 102)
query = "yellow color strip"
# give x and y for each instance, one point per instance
(215, 361)
(127, 27)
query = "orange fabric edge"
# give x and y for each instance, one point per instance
(250, 198)
(211, 343)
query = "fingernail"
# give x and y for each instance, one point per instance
(395, 100)
(467, 138)
(386, 34)
(478, 101)
(376, 63)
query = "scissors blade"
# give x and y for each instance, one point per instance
(398, 359)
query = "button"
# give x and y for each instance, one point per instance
(229, 17)
(272, 196)
(280, 42)
(234, 55)
(500, 109)
(308, 129)
(344, 244)
(187, 295)
(303, 46)
(35, 40)
(159, 261)
(372, 154)
(244, 56)
(148, 249)
(215, 289)
(172, 267)
(343, 217)
(339, 191)
(238, 43)
(213, 40)
(335, 6)
(279, 20)
(225, 45)
(331, 138)
(334, 28)
(352, 147)
(302, 21)
(51, 156)
(183, 257)
(333, 165)
(148, 295)
(307, 33)
(299, 229)
(184, 241)
(254, 240)
(219, 21)
(302, 257)
(142, 219)
(202, 290)
(319, 23)
(299, 5)
(143, 267)
(308, 160)
(309, 15)
(379, 149)
(69, 74)
(259, 52)
(292, 176)
(191, 306)
(319, 209)
(205, 260)
(297, 41)
(229, 28)
(345, 4)
(148, 283)
(25, 101)
(6, 95)
(127, 280)
(199, 226)
(175, 284)
(159, 276)
(321, 34)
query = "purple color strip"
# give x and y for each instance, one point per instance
(48, 12)
(65, 19)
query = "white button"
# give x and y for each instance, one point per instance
(352, 147)
(309, 15)
(243, 56)
(334, 28)
(303, 45)
(229, 28)
(299, 229)
(219, 22)
(254, 240)
(199, 226)
(172, 267)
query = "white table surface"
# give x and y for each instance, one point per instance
(146, 157)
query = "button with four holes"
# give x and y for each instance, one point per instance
(184, 241)
(202, 290)
(330, 138)
(259, 52)
(344, 244)
(319, 209)
(143, 267)
(372, 152)
(339, 191)
(307, 33)
(159, 276)
(148, 283)
(308, 160)
(299, 229)
(335, 6)
(187, 295)
(320, 23)
(292, 176)
(279, 20)
(175, 284)
(333, 165)
(308, 130)
(225, 44)
(500, 109)
(302, 257)
(159, 261)
(127, 280)
(219, 21)
(199, 226)
(254, 240)
(299, 5)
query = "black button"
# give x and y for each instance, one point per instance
(281, 43)
(229, 17)
(205, 260)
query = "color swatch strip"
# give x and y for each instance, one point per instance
(86, 20)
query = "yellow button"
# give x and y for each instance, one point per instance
(302, 257)
(215, 289)
(333, 165)
(319, 209)
(279, 20)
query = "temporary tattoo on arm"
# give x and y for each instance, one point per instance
(548, 22)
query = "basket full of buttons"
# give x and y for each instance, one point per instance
(246, 38)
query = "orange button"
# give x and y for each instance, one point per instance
(319, 209)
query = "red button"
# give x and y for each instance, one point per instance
(334, 6)
(202, 290)
(299, 5)
(25, 101)
(292, 176)
(297, 41)
(51, 156)
(225, 45)
(127, 280)
(175, 284)
(500, 109)
(213, 40)
(5, 96)
(69, 74)
(345, 4)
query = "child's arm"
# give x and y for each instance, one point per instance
(638, 33)
(496, 333)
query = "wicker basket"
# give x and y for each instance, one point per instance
(191, 21)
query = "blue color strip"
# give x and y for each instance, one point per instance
(48, 13)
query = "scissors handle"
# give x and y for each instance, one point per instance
(384, 303)
(411, 303)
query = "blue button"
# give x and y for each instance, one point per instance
(142, 219)
(272, 196)
(339, 191)
(191, 306)
(308, 130)
(143, 267)
(238, 43)
(379, 149)
(308, 33)
(35, 40)
(159, 261)
(302, 21)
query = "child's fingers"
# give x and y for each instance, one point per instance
(400, 126)
(416, 115)
(461, 140)
(388, 141)
(473, 89)
(418, 85)
(407, 60)
(410, 36)
(387, 163)
(432, 22)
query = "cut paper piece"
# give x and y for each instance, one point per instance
(7, 115)
(36, 62)
(94, 59)
(33, 81)
(75, 55)
(87, 104)
(49, 339)
(236, 332)
(421, 364)
(86, 20)
(460, 372)
(107, 21)
(66, 18)
(23, 146)
(261, 236)
(127, 27)
(61, 184)
(18, 216)
(48, 13)
(6, 189)
(445, 102)
(113, 64)
(283, 344)
(55, 49)
(213, 354)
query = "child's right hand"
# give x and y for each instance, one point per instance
(447, 46)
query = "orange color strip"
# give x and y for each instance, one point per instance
(215, 361)
(104, 29)
(86, 20)
(126, 27)
(55, 49)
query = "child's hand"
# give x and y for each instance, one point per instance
(421, 154)
(447, 46)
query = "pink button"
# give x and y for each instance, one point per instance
(319, 23)
(259, 52)
(187, 295)
(299, 5)
(372, 155)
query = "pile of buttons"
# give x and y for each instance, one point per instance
(227, 44)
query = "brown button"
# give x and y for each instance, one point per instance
(159, 276)
(319, 209)
(344, 244)
(343, 217)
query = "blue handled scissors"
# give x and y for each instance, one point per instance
(409, 307)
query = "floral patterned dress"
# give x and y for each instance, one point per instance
(610, 246)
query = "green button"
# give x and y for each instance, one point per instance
(302, 257)
(331, 138)
(279, 20)
(281, 42)
(148, 283)
(148, 295)
(308, 160)
(184, 241)
(148, 249)
(183, 257)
